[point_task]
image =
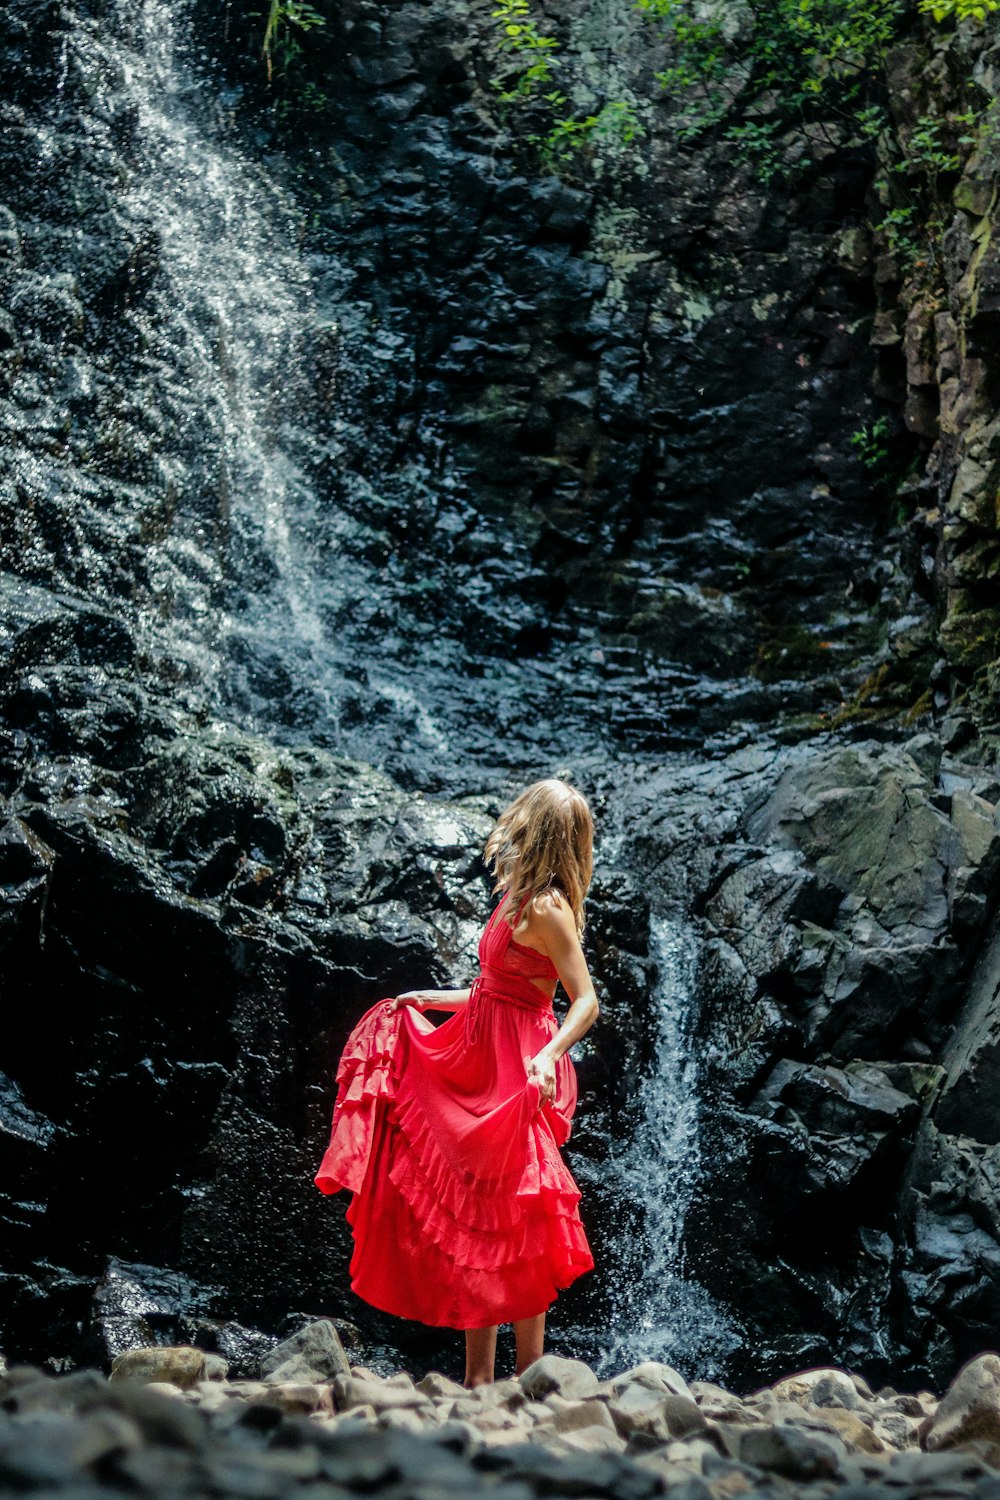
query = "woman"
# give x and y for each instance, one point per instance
(464, 1213)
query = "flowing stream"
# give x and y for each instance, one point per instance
(660, 1311)
(262, 609)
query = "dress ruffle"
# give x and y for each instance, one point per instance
(364, 1076)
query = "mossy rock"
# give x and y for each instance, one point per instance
(972, 640)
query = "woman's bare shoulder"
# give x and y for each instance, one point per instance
(551, 908)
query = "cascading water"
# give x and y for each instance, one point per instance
(223, 330)
(659, 1310)
(271, 588)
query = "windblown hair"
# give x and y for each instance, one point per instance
(545, 838)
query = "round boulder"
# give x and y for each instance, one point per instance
(179, 1364)
(970, 1407)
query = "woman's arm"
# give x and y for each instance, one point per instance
(432, 999)
(554, 933)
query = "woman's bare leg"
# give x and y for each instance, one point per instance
(480, 1355)
(529, 1341)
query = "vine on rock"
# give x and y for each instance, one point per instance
(775, 68)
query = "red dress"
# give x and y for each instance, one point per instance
(464, 1213)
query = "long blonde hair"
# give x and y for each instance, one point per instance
(544, 838)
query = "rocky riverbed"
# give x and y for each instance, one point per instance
(169, 1421)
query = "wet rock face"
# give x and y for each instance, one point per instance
(849, 1120)
(492, 471)
(637, 399)
(211, 920)
(935, 333)
(201, 1081)
(533, 418)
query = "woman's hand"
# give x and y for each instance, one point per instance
(542, 1070)
(431, 999)
(418, 999)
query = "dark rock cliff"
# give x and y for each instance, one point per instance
(360, 470)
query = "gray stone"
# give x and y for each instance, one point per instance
(896, 1429)
(568, 1416)
(509, 1394)
(162, 1419)
(349, 1391)
(457, 1436)
(704, 1391)
(679, 1483)
(180, 1365)
(728, 1436)
(161, 1471)
(297, 1398)
(788, 1450)
(969, 1101)
(402, 1419)
(854, 1428)
(568, 1377)
(438, 1386)
(26, 1389)
(970, 1407)
(591, 1439)
(865, 820)
(916, 1467)
(315, 1353)
(216, 1368)
(655, 1375)
(826, 1386)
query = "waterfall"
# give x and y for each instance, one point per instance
(269, 586)
(244, 578)
(659, 1309)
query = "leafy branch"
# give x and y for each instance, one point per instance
(958, 10)
(280, 42)
(528, 51)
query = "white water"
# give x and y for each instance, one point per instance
(247, 578)
(659, 1309)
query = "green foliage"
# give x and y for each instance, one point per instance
(787, 63)
(700, 63)
(757, 142)
(306, 99)
(615, 120)
(284, 20)
(528, 52)
(924, 150)
(871, 441)
(913, 161)
(897, 226)
(872, 121)
(958, 10)
(524, 80)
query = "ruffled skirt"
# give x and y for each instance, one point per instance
(464, 1213)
